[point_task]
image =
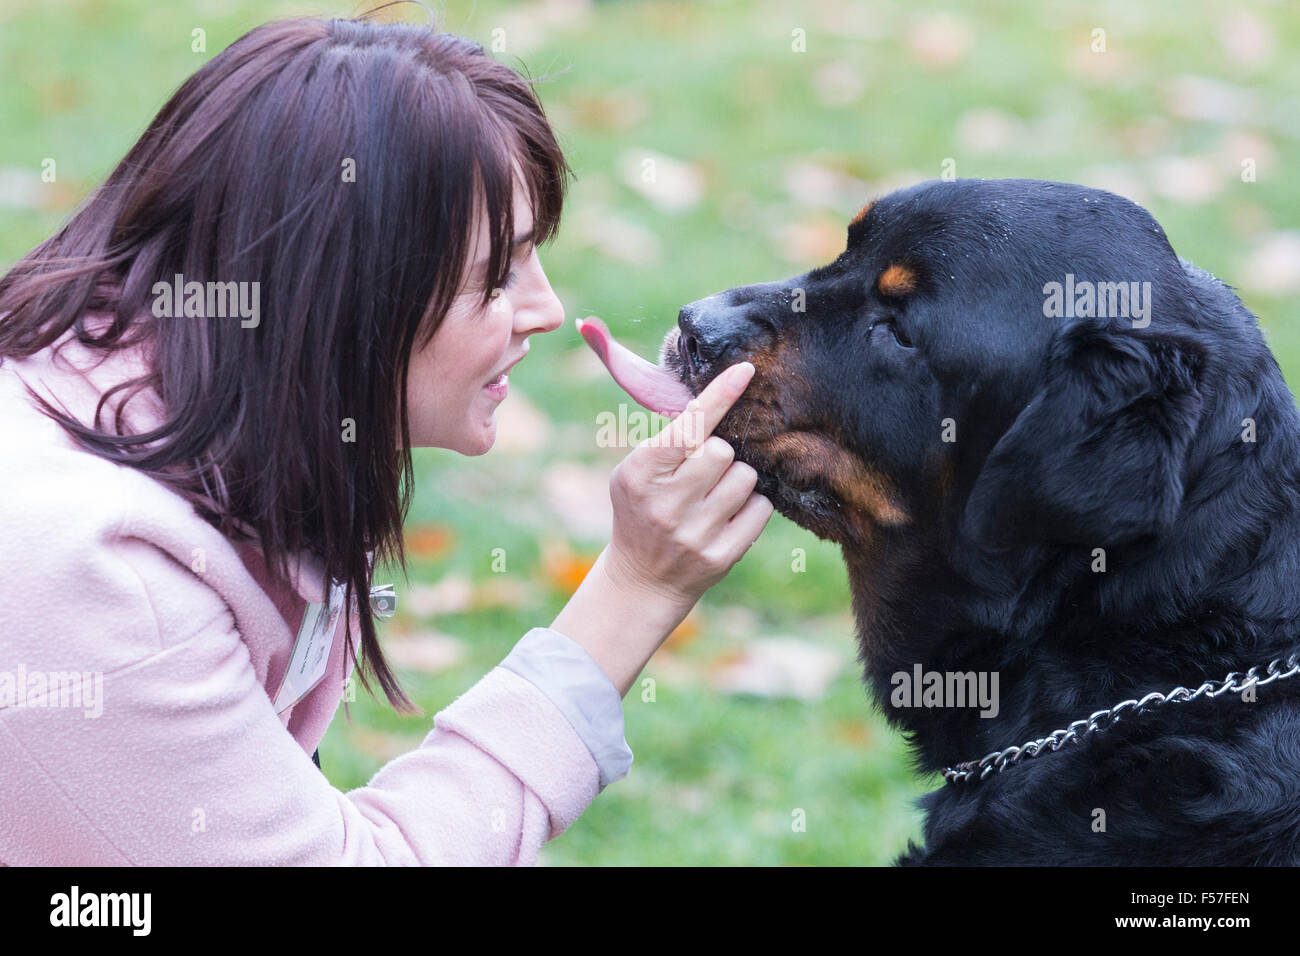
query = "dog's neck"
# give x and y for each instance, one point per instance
(1063, 638)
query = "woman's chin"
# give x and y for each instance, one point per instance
(481, 437)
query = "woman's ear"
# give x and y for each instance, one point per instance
(1097, 457)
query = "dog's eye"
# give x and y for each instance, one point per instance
(900, 338)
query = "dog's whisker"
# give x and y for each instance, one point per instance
(744, 435)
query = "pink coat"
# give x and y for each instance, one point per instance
(180, 642)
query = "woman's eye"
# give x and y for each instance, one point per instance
(514, 271)
(899, 337)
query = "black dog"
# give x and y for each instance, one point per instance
(1053, 452)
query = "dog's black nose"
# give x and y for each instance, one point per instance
(716, 330)
(699, 344)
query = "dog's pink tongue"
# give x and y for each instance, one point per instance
(652, 386)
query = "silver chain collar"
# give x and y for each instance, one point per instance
(999, 760)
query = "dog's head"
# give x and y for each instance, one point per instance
(1003, 361)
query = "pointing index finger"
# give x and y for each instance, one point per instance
(689, 430)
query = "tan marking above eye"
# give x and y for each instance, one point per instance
(862, 213)
(897, 280)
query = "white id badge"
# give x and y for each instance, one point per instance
(311, 651)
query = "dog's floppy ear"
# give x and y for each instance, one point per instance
(1097, 456)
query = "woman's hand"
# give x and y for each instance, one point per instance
(684, 513)
(684, 508)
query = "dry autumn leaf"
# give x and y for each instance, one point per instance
(780, 667)
(671, 184)
(425, 651)
(814, 238)
(429, 540)
(562, 568)
(684, 633)
(501, 591)
(853, 734)
(451, 594)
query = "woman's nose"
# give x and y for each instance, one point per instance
(544, 313)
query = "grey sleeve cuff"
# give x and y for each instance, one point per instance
(574, 682)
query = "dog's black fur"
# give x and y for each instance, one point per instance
(978, 554)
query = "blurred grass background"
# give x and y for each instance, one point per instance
(762, 153)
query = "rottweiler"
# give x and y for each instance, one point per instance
(1057, 455)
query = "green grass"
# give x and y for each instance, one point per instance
(717, 777)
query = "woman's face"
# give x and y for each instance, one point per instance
(455, 384)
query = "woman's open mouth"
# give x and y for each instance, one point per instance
(498, 387)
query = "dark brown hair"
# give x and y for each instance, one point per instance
(244, 177)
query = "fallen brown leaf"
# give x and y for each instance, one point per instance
(429, 541)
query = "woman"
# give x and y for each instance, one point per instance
(320, 254)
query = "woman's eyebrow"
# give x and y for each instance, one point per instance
(519, 241)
